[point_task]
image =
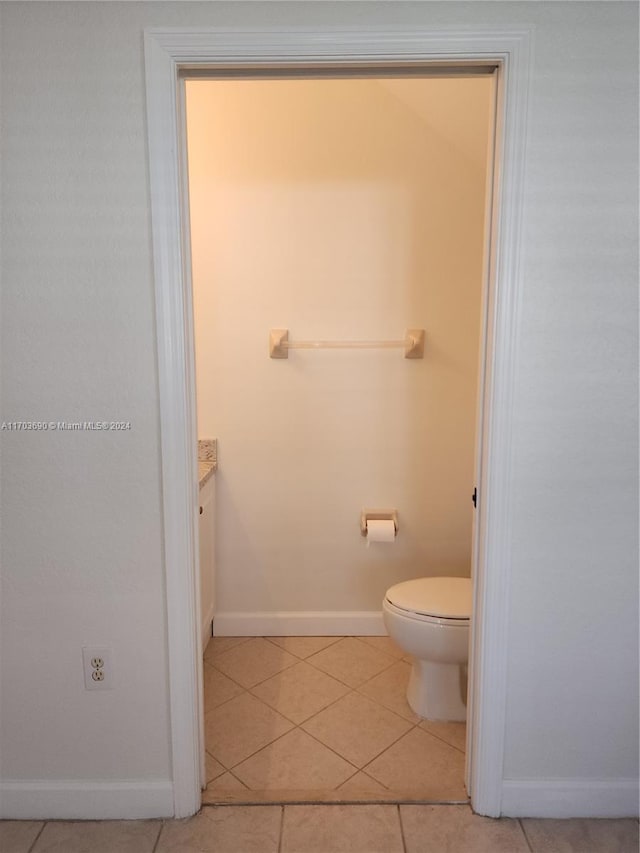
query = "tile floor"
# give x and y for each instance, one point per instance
(321, 719)
(323, 829)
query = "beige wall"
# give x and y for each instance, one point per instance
(341, 209)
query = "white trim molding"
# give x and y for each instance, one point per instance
(171, 53)
(35, 799)
(564, 798)
(312, 623)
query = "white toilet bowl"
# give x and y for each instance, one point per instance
(429, 618)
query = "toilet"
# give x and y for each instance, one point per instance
(429, 618)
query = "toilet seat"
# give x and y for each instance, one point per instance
(421, 617)
(442, 600)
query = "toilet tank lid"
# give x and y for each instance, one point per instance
(449, 598)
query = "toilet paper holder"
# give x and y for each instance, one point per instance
(378, 515)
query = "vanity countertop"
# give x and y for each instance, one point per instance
(207, 459)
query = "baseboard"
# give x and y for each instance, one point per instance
(205, 629)
(85, 800)
(311, 623)
(565, 798)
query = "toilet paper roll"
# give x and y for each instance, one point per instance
(380, 531)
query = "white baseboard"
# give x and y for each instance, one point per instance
(85, 800)
(312, 623)
(565, 798)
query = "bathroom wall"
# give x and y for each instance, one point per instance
(81, 513)
(340, 210)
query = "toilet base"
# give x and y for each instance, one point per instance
(435, 691)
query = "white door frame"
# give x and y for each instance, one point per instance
(169, 53)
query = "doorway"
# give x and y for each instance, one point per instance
(169, 54)
(348, 205)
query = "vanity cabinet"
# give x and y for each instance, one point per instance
(206, 529)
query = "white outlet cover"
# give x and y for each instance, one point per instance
(97, 678)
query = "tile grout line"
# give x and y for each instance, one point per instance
(301, 660)
(155, 846)
(233, 681)
(241, 639)
(377, 781)
(350, 691)
(359, 770)
(321, 743)
(442, 740)
(281, 829)
(40, 831)
(250, 690)
(306, 719)
(386, 707)
(317, 740)
(335, 677)
(404, 841)
(255, 752)
(226, 769)
(335, 752)
(230, 772)
(404, 734)
(365, 643)
(211, 755)
(238, 778)
(227, 651)
(526, 837)
(210, 661)
(366, 681)
(251, 686)
(357, 691)
(299, 725)
(282, 648)
(326, 707)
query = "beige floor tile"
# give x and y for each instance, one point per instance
(226, 783)
(341, 829)
(240, 727)
(357, 728)
(218, 688)
(390, 689)
(351, 661)
(455, 829)
(384, 644)
(105, 836)
(217, 645)
(17, 836)
(213, 768)
(224, 829)
(422, 763)
(303, 647)
(254, 661)
(362, 784)
(582, 836)
(294, 762)
(454, 734)
(300, 691)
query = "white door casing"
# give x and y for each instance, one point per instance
(171, 53)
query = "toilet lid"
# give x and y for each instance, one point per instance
(448, 598)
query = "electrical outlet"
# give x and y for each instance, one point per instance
(98, 667)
